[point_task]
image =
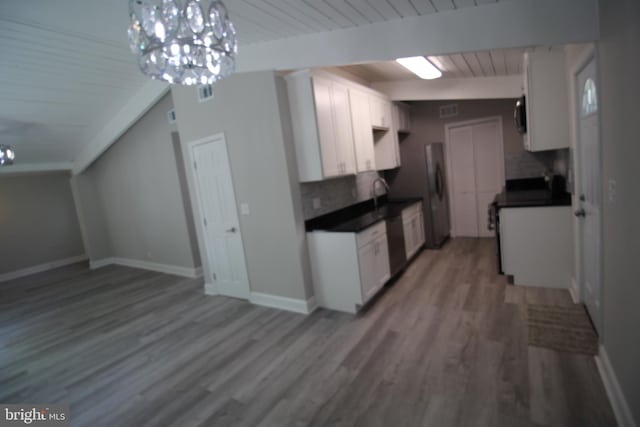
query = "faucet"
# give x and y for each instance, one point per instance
(374, 193)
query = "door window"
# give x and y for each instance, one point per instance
(589, 98)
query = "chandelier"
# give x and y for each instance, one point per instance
(183, 42)
(6, 155)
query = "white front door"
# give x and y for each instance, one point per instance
(590, 193)
(476, 172)
(217, 204)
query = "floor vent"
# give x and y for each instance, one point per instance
(205, 92)
(450, 110)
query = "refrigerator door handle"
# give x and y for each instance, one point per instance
(439, 182)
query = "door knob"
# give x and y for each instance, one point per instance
(231, 230)
(580, 213)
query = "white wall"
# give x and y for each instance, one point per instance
(131, 199)
(619, 67)
(251, 110)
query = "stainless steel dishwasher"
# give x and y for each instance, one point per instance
(395, 239)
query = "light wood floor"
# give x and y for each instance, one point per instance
(445, 346)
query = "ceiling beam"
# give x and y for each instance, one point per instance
(443, 89)
(505, 24)
(20, 168)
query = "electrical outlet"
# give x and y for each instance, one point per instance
(612, 190)
(317, 203)
(149, 255)
(244, 208)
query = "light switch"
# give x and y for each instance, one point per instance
(317, 204)
(244, 208)
(612, 190)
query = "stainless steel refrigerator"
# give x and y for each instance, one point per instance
(423, 174)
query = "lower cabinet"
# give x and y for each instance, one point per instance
(413, 226)
(536, 244)
(348, 268)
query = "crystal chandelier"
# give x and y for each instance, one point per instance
(6, 155)
(183, 42)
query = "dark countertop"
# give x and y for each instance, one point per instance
(360, 216)
(531, 198)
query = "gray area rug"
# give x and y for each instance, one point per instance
(565, 329)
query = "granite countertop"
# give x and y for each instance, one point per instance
(531, 198)
(358, 217)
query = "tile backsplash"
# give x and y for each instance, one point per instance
(527, 164)
(337, 193)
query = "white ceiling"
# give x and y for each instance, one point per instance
(66, 68)
(499, 62)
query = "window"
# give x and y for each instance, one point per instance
(589, 98)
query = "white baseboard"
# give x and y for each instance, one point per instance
(573, 290)
(100, 263)
(42, 267)
(614, 391)
(192, 273)
(211, 289)
(283, 303)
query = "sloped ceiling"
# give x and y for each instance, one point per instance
(66, 69)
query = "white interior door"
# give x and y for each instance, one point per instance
(463, 181)
(489, 170)
(590, 194)
(476, 174)
(217, 204)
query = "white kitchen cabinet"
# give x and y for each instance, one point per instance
(402, 117)
(546, 100)
(381, 113)
(348, 268)
(321, 123)
(413, 227)
(387, 150)
(536, 245)
(362, 131)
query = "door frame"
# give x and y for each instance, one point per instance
(447, 128)
(211, 287)
(589, 54)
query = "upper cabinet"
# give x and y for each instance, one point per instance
(322, 128)
(362, 130)
(402, 117)
(380, 110)
(547, 101)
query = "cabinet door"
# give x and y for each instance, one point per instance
(380, 112)
(367, 257)
(408, 237)
(343, 129)
(362, 131)
(331, 165)
(383, 270)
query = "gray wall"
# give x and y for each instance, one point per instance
(131, 199)
(620, 91)
(38, 222)
(252, 111)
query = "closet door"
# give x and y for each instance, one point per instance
(476, 173)
(489, 170)
(465, 205)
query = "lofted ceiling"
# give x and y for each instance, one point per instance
(67, 70)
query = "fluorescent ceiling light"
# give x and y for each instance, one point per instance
(421, 67)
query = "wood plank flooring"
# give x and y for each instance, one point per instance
(446, 345)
